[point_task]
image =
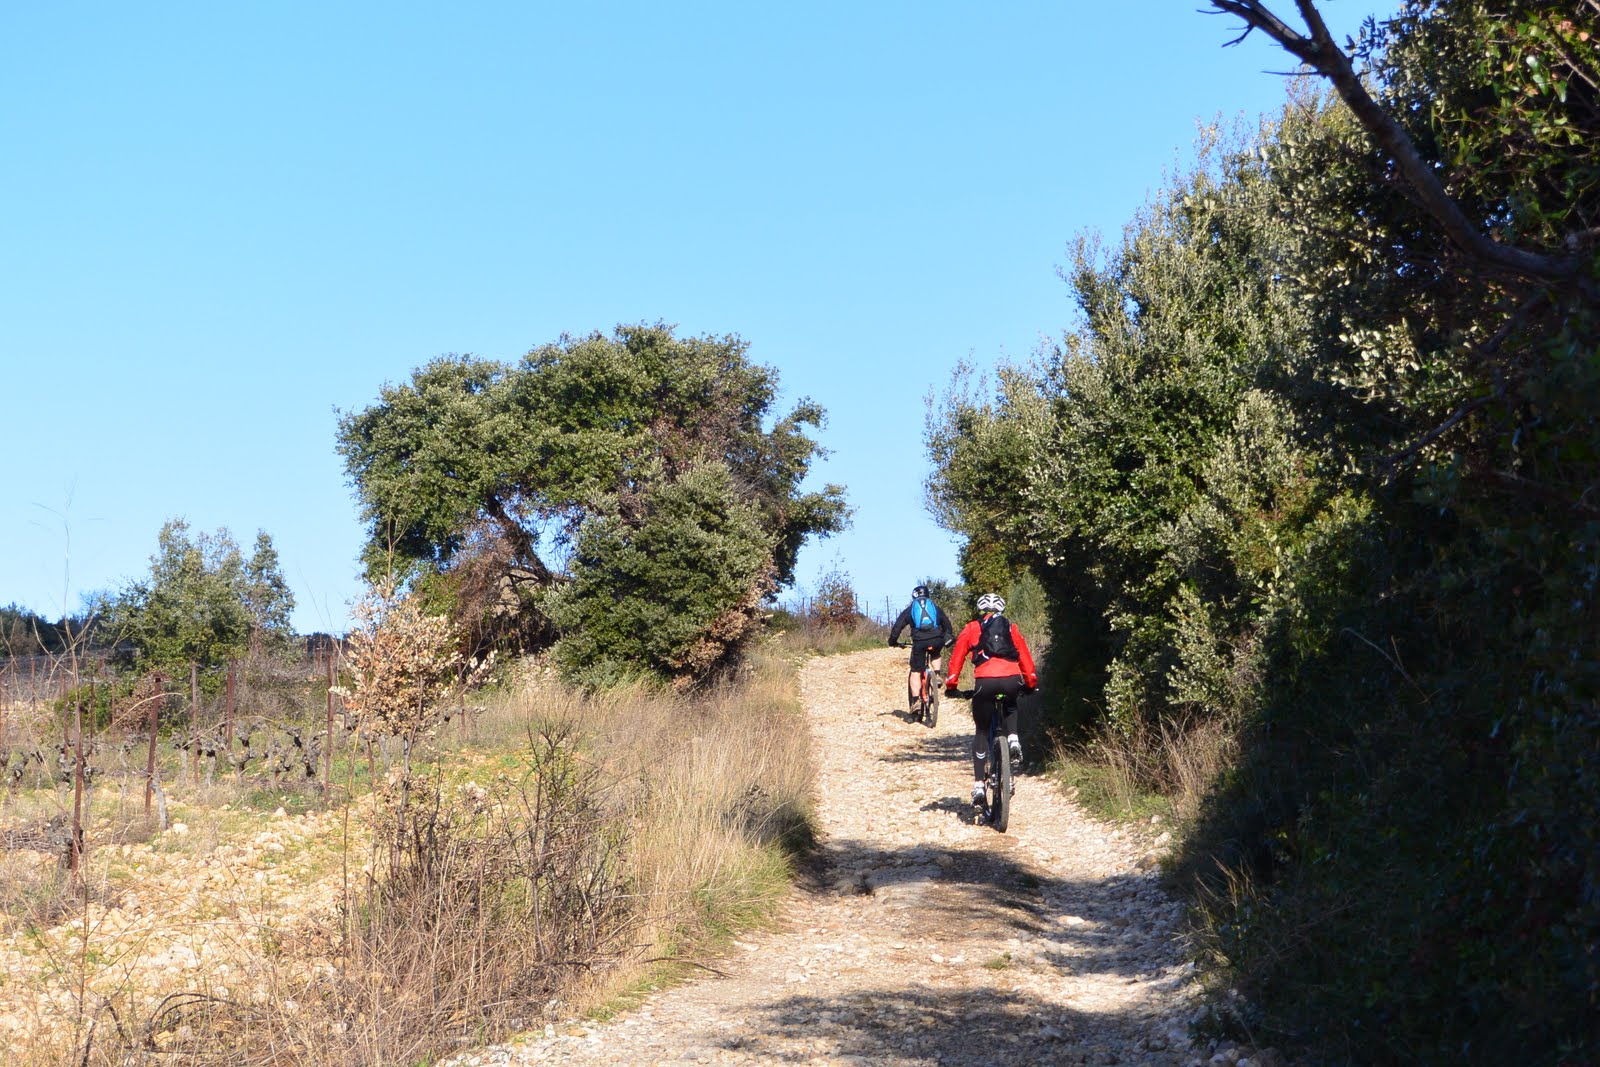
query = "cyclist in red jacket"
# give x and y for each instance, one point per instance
(1002, 666)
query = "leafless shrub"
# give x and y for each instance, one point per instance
(405, 664)
(835, 606)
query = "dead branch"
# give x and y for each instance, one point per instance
(1319, 52)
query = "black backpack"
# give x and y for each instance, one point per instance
(994, 639)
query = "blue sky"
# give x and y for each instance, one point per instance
(222, 223)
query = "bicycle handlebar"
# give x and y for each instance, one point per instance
(967, 694)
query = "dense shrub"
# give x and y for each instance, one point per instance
(676, 592)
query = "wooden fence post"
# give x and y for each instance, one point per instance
(150, 759)
(75, 848)
(227, 710)
(194, 720)
(327, 773)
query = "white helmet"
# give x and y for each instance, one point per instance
(991, 602)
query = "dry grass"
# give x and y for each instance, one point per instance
(562, 850)
(1162, 770)
(807, 635)
(718, 791)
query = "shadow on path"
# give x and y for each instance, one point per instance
(986, 1025)
(1082, 926)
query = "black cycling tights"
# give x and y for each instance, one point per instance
(984, 691)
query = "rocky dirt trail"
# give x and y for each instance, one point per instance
(926, 939)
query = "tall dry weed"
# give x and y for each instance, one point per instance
(716, 788)
(1152, 769)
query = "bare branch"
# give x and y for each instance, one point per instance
(1394, 660)
(1256, 16)
(1322, 54)
(1439, 431)
(1583, 238)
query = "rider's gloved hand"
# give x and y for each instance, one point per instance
(893, 643)
(1030, 683)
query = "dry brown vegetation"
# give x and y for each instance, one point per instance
(571, 849)
(1154, 769)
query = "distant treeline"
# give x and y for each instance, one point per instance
(26, 633)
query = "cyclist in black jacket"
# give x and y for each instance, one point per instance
(930, 632)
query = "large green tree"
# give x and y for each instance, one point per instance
(507, 481)
(671, 592)
(1119, 466)
(203, 602)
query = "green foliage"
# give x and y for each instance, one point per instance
(479, 479)
(202, 603)
(95, 701)
(1107, 471)
(1434, 676)
(1311, 472)
(979, 446)
(264, 591)
(953, 597)
(675, 592)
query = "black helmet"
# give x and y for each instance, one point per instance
(920, 591)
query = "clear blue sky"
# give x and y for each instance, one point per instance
(219, 223)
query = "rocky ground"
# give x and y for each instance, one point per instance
(923, 937)
(178, 914)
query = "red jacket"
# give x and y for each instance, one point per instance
(994, 666)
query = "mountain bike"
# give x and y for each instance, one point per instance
(928, 693)
(997, 782)
(928, 700)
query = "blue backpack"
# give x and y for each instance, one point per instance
(922, 615)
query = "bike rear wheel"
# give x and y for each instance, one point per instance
(930, 703)
(998, 785)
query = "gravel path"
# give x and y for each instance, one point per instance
(928, 939)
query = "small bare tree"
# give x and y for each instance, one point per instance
(405, 667)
